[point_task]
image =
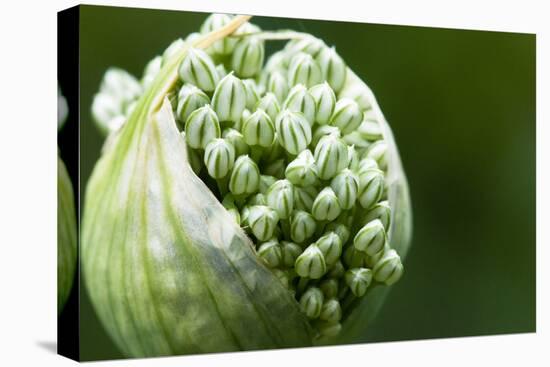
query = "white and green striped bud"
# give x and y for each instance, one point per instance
(280, 196)
(371, 238)
(302, 171)
(325, 102)
(236, 139)
(293, 131)
(190, 98)
(270, 105)
(370, 130)
(291, 251)
(197, 68)
(257, 199)
(300, 100)
(307, 44)
(248, 57)
(330, 245)
(262, 221)
(322, 131)
(371, 261)
(222, 71)
(337, 271)
(331, 310)
(371, 187)
(270, 252)
(340, 229)
(219, 157)
(229, 100)
(389, 268)
(358, 280)
(378, 152)
(311, 263)
(202, 126)
(303, 69)
(151, 71)
(245, 211)
(331, 156)
(215, 21)
(302, 226)
(311, 302)
(275, 168)
(353, 158)
(265, 183)
(355, 138)
(347, 115)
(172, 48)
(245, 177)
(326, 205)
(346, 186)
(353, 258)
(380, 211)
(329, 329)
(304, 197)
(121, 85)
(278, 85)
(366, 164)
(252, 94)
(258, 129)
(329, 287)
(333, 67)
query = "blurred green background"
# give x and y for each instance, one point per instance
(462, 107)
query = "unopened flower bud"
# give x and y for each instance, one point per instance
(353, 258)
(293, 131)
(302, 171)
(371, 238)
(271, 253)
(190, 98)
(215, 21)
(333, 67)
(326, 205)
(276, 168)
(303, 69)
(304, 197)
(322, 131)
(380, 211)
(174, 47)
(197, 68)
(278, 85)
(347, 115)
(331, 310)
(300, 100)
(302, 226)
(371, 187)
(366, 164)
(325, 102)
(219, 157)
(291, 251)
(308, 44)
(353, 158)
(222, 71)
(355, 138)
(340, 229)
(311, 263)
(121, 85)
(331, 156)
(311, 302)
(252, 94)
(370, 130)
(331, 247)
(262, 221)
(228, 203)
(265, 183)
(336, 271)
(257, 199)
(229, 100)
(202, 126)
(329, 329)
(258, 129)
(389, 268)
(245, 177)
(377, 151)
(248, 57)
(371, 261)
(345, 185)
(329, 287)
(237, 140)
(358, 280)
(270, 105)
(280, 196)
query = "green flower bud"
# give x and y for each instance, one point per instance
(347, 115)
(358, 280)
(353, 158)
(247, 29)
(258, 129)
(366, 164)
(329, 287)
(377, 151)
(346, 186)
(355, 138)
(276, 168)
(325, 102)
(311, 263)
(189, 99)
(248, 57)
(331, 156)
(340, 229)
(308, 44)
(219, 157)
(293, 131)
(215, 21)
(222, 71)
(121, 85)
(262, 221)
(333, 68)
(107, 113)
(330, 245)
(236, 139)
(303, 69)
(336, 271)
(257, 199)
(271, 253)
(229, 100)
(322, 131)
(270, 105)
(278, 85)
(371, 187)
(357, 93)
(302, 171)
(252, 94)
(311, 302)
(202, 126)
(245, 212)
(280, 196)
(329, 329)
(370, 130)
(228, 203)
(265, 183)
(380, 211)
(302, 226)
(371, 238)
(197, 68)
(245, 178)
(300, 100)
(371, 261)
(291, 251)
(353, 258)
(277, 61)
(331, 310)
(174, 47)
(326, 205)
(389, 268)
(304, 197)
(151, 71)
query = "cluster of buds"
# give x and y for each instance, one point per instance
(299, 164)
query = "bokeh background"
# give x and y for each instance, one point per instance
(462, 107)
